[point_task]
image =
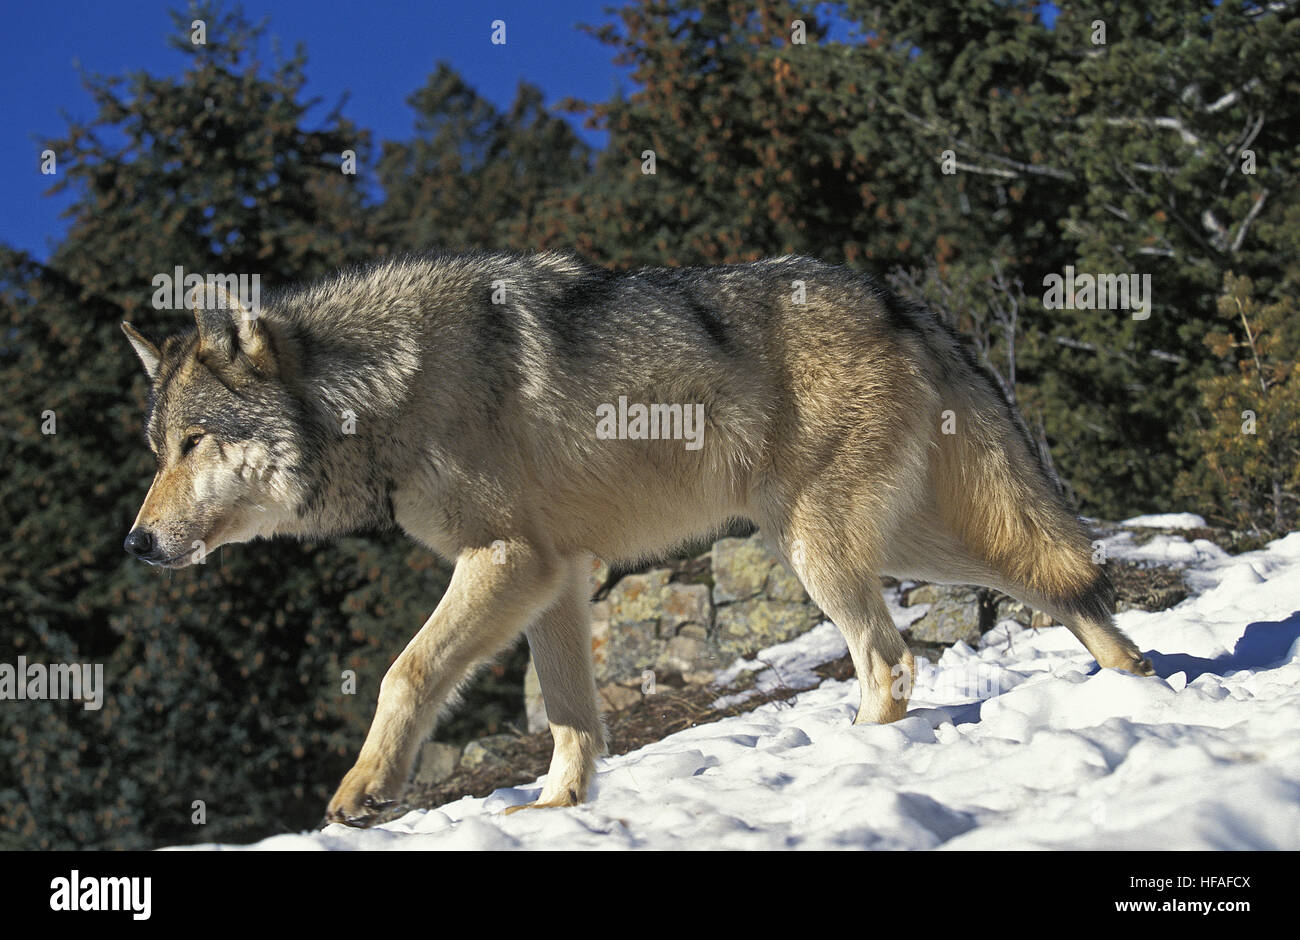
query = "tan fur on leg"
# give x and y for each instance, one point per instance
(561, 645)
(486, 604)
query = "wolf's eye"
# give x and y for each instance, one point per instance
(190, 443)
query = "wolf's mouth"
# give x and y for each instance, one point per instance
(180, 560)
(171, 562)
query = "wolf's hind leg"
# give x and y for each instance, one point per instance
(560, 641)
(1087, 614)
(1053, 573)
(881, 659)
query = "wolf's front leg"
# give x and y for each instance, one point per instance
(560, 640)
(492, 596)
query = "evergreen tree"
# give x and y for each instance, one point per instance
(1246, 443)
(473, 176)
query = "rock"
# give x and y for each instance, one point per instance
(924, 594)
(1008, 608)
(750, 625)
(437, 762)
(638, 597)
(632, 648)
(697, 570)
(488, 750)
(615, 697)
(782, 585)
(689, 655)
(598, 576)
(685, 604)
(740, 568)
(954, 615)
(693, 630)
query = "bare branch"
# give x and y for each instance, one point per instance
(1166, 123)
(946, 132)
(1218, 234)
(1248, 136)
(1231, 97)
(986, 171)
(1246, 223)
(1278, 6)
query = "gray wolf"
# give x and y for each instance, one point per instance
(458, 398)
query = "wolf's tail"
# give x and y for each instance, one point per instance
(996, 496)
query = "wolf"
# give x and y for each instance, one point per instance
(459, 399)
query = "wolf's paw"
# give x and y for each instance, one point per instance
(364, 794)
(569, 798)
(1133, 662)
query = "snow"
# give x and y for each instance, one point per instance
(1168, 520)
(1162, 550)
(1021, 743)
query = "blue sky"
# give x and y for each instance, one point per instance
(380, 51)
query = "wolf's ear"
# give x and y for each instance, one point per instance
(228, 328)
(147, 351)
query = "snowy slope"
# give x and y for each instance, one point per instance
(1021, 743)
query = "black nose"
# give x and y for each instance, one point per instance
(139, 543)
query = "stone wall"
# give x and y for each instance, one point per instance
(684, 623)
(681, 624)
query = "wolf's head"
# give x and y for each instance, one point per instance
(225, 430)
